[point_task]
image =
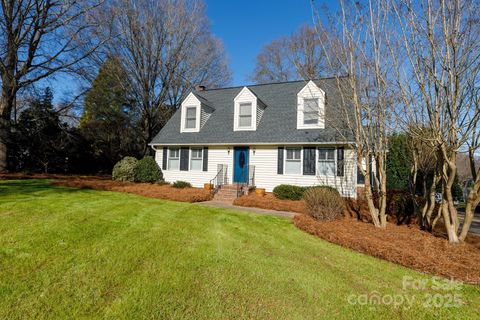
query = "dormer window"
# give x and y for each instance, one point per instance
(190, 114)
(190, 117)
(311, 107)
(245, 115)
(311, 111)
(248, 110)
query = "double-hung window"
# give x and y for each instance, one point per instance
(326, 162)
(245, 115)
(190, 117)
(196, 159)
(293, 161)
(310, 111)
(174, 159)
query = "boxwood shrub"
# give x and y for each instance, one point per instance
(288, 192)
(147, 170)
(291, 192)
(124, 170)
(181, 184)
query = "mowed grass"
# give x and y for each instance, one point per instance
(69, 253)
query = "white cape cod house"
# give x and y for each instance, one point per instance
(260, 135)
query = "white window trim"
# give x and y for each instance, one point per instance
(311, 91)
(190, 158)
(190, 102)
(168, 160)
(285, 162)
(317, 158)
(245, 96)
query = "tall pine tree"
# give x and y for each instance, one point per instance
(108, 121)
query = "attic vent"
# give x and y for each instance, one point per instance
(200, 88)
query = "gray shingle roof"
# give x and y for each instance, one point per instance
(277, 125)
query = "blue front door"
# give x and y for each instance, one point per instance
(240, 165)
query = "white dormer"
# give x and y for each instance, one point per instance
(194, 113)
(311, 107)
(248, 110)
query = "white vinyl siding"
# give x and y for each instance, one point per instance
(173, 159)
(264, 159)
(196, 159)
(326, 162)
(293, 161)
(216, 155)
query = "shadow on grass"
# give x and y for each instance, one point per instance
(30, 187)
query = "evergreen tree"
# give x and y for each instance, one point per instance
(398, 162)
(39, 142)
(108, 122)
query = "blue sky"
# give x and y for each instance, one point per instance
(245, 26)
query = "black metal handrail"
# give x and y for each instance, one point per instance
(220, 178)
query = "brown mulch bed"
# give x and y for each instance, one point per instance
(270, 202)
(144, 189)
(404, 245)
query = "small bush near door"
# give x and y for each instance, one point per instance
(181, 184)
(288, 192)
(147, 170)
(124, 170)
(324, 203)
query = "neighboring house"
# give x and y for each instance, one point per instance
(260, 135)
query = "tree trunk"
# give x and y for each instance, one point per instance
(6, 105)
(382, 190)
(368, 192)
(471, 204)
(449, 224)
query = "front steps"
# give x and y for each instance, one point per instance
(228, 192)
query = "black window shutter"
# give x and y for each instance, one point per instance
(164, 159)
(205, 159)
(309, 161)
(280, 161)
(184, 159)
(340, 162)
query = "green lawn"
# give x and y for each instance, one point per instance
(67, 253)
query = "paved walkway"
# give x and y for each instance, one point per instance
(228, 205)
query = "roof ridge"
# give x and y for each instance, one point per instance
(272, 83)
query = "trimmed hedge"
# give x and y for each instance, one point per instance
(291, 192)
(147, 170)
(288, 192)
(181, 184)
(124, 170)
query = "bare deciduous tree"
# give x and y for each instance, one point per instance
(438, 82)
(166, 49)
(39, 38)
(299, 56)
(357, 47)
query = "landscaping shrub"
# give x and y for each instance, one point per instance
(147, 170)
(324, 203)
(124, 170)
(181, 184)
(288, 192)
(400, 206)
